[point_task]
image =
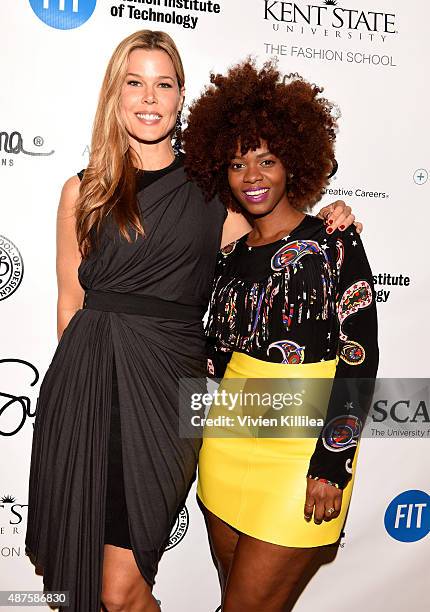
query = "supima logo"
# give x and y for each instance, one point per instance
(63, 14)
(407, 518)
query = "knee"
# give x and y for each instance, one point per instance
(115, 600)
(126, 601)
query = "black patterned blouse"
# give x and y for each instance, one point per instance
(305, 298)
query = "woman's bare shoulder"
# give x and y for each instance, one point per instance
(69, 195)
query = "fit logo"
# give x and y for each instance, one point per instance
(63, 14)
(62, 5)
(407, 518)
(407, 512)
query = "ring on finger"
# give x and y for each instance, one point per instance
(330, 511)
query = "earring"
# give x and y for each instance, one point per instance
(334, 168)
(177, 135)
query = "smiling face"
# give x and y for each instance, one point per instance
(258, 180)
(150, 97)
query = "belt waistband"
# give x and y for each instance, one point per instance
(129, 303)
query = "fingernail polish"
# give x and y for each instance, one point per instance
(329, 230)
(330, 221)
(341, 227)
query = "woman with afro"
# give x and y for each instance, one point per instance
(289, 301)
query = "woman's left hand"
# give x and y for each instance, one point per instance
(323, 501)
(338, 216)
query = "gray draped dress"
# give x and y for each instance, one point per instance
(175, 261)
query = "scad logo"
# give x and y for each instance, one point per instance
(63, 14)
(407, 518)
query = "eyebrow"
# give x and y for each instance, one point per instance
(158, 77)
(259, 156)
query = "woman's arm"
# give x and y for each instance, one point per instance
(235, 226)
(70, 292)
(355, 373)
(337, 216)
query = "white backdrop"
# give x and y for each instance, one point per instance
(372, 62)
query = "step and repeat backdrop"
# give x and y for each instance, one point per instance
(371, 59)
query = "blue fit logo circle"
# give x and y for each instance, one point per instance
(63, 14)
(407, 518)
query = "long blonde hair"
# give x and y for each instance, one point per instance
(109, 182)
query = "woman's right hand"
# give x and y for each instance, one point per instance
(339, 216)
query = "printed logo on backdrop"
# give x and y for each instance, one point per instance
(12, 143)
(63, 14)
(11, 268)
(344, 21)
(407, 518)
(357, 192)
(13, 518)
(400, 418)
(180, 529)
(388, 285)
(400, 408)
(330, 19)
(185, 13)
(15, 406)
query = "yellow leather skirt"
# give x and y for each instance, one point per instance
(258, 484)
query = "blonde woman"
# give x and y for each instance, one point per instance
(136, 253)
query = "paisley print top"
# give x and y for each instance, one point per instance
(305, 298)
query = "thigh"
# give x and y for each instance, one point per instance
(223, 540)
(263, 575)
(123, 584)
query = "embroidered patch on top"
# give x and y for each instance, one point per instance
(341, 433)
(291, 351)
(356, 297)
(352, 353)
(292, 252)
